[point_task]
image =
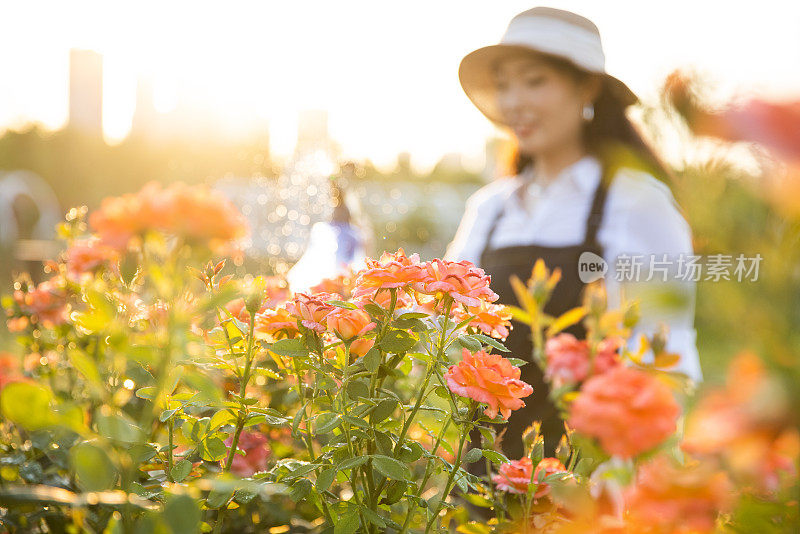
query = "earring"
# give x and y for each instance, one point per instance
(588, 112)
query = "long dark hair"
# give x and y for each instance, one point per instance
(610, 136)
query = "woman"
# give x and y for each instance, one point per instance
(585, 181)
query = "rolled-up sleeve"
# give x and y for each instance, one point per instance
(648, 256)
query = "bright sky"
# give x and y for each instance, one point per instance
(387, 72)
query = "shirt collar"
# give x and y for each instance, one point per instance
(584, 174)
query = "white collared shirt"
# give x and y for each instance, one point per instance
(641, 219)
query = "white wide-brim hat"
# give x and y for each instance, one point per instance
(544, 30)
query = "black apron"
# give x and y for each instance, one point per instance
(501, 264)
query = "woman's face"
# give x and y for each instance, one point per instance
(541, 104)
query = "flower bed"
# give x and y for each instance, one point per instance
(154, 392)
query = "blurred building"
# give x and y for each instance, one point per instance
(86, 91)
(313, 137)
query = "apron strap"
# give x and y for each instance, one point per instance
(497, 216)
(593, 220)
(595, 217)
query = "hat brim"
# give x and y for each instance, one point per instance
(475, 75)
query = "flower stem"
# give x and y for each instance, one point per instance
(412, 506)
(242, 419)
(456, 465)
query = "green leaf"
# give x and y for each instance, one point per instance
(182, 515)
(181, 470)
(516, 362)
(85, 365)
(218, 498)
(412, 452)
(166, 414)
(473, 527)
(486, 340)
(243, 496)
(298, 417)
(348, 523)
(374, 310)
(372, 360)
(212, 449)
(413, 315)
(326, 478)
(325, 383)
(27, 404)
(117, 426)
(290, 347)
(372, 517)
(406, 365)
(384, 442)
(300, 489)
(398, 341)
(391, 468)
(195, 429)
(357, 388)
(441, 392)
(472, 456)
(222, 417)
(93, 469)
(384, 409)
(142, 452)
(340, 304)
(356, 421)
(469, 343)
(326, 422)
(90, 320)
(478, 500)
(495, 457)
(147, 392)
(395, 491)
(351, 463)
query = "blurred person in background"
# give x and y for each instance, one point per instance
(334, 248)
(584, 180)
(29, 213)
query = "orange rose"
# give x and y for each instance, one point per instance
(490, 379)
(391, 271)
(515, 476)
(193, 212)
(464, 282)
(237, 309)
(311, 310)
(85, 255)
(746, 425)
(628, 410)
(275, 324)
(9, 368)
(340, 285)
(46, 301)
(198, 213)
(491, 319)
(384, 300)
(349, 323)
(119, 219)
(17, 324)
(360, 346)
(667, 497)
(568, 359)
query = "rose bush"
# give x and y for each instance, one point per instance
(163, 381)
(155, 390)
